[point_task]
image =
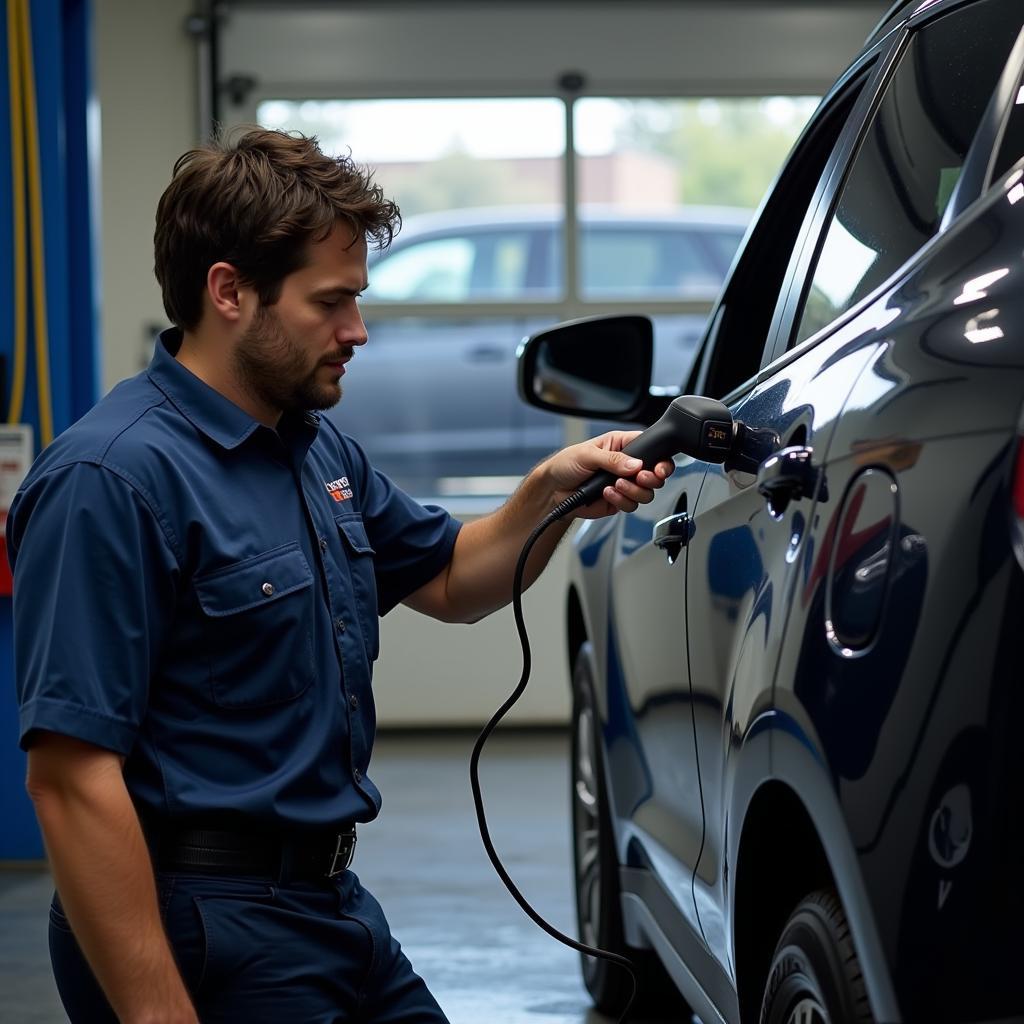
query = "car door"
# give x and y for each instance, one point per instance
(661, 806)
(751, 553)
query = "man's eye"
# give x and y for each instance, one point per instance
(328, 303)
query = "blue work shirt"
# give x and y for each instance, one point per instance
(200, 593)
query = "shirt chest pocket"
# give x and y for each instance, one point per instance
(359, 553)
(258, 628)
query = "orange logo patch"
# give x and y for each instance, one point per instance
(339, 489)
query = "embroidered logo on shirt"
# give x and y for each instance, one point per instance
(339, 489)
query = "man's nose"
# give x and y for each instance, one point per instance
(353, 332)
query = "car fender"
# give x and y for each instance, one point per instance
(776, 748)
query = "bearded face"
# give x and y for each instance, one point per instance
(281, 372)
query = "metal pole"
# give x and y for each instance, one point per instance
(570, 83)
(199, 25)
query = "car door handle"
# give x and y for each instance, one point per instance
(672, 534)
(485, 354)
(788, 476)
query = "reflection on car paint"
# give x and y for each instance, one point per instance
(951, 828)
(631, 780)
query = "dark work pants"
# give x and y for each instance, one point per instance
(253, 951)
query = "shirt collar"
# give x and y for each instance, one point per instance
(204, 407)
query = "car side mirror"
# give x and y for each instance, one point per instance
(597, 367)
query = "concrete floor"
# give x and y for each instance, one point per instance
(482, 957)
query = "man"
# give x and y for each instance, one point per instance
(200, 563)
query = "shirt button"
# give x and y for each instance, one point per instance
(323, 543)
(357, 775)
(353, 702)
(340, 625)
(268, 589)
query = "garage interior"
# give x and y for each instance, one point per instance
(159, 73)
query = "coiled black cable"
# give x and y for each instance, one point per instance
(560, 510)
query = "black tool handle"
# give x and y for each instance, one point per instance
(691, 425)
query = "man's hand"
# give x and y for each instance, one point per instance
(573, 466)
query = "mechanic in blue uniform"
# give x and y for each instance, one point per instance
(200, 563)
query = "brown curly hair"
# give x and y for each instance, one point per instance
(258, 203)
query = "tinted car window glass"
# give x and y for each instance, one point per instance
(456, 269)
(501, 265)
(503, 271)
(438, 269)
(1011, 149)
(630, 262)
(909, 162)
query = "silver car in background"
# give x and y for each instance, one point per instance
(434, 400)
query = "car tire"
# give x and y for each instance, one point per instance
(815, 977)
(598, 908)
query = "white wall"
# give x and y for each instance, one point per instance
(433, 673)
(145, 73)
(683, 47)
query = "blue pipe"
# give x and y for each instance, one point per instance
(67, 141)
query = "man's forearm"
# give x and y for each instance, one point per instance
(105, 879)
(478, 578)
(486, 553)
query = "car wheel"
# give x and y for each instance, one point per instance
(598, 911)
(815, 976)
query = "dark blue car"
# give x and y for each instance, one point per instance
(798, 771)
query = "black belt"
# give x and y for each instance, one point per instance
(296, 857)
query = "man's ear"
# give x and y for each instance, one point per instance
(225, 291)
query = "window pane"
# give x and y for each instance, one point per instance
(667, 187)
(661, 154)
(904, 174)
(432, 155)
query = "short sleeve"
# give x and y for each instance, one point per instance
(95, 578)
(412, 543)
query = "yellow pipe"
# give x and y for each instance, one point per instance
(35, 190)
(18, 368)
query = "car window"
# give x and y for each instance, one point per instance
(487, 265)
(735, 341)
(1011, 149)
(644, 262)
(903, 176)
